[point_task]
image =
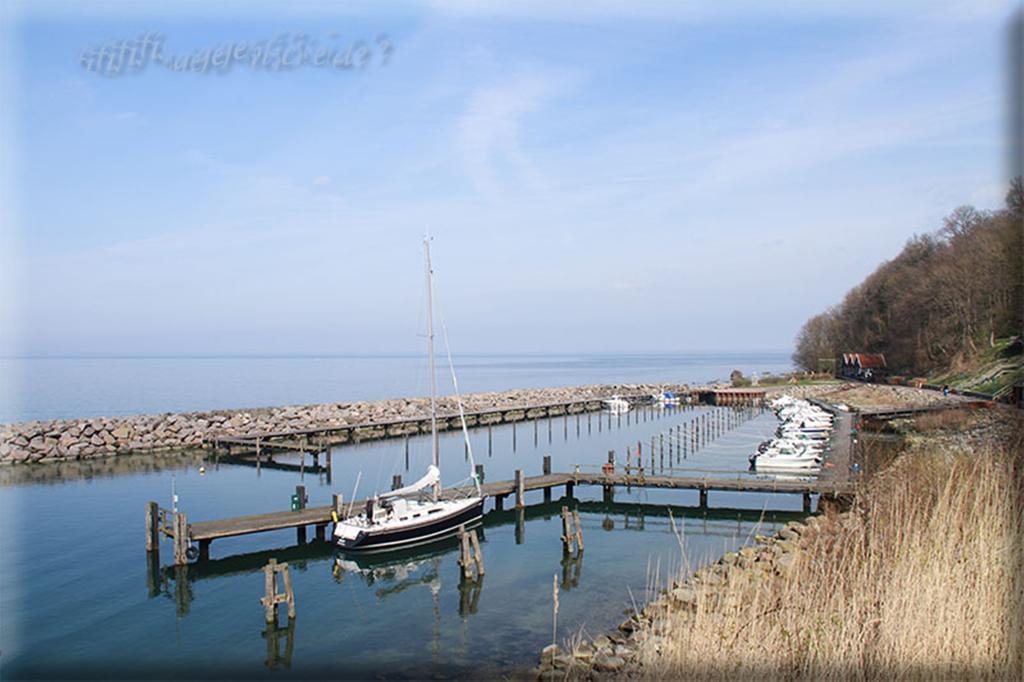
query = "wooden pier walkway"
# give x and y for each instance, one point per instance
(205, 532)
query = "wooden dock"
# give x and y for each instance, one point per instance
(205, 532)
(835, 484)
(318, 439)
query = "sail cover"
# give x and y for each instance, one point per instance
(432, 476)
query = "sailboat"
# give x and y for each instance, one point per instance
(416, 514)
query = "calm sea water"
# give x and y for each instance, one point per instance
(50, 388)
(80, 599)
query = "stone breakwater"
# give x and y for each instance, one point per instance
(643, 636)
(73, 439)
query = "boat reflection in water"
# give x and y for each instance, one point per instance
(399, 571)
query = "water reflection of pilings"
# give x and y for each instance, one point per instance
(272, 633)
(158, 582)
(469, 595)
(572, 568)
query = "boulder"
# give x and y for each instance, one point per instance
(606, 663)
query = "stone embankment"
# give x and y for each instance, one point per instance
(642, 636)
(73, 439)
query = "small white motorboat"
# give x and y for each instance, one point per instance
(616, 405)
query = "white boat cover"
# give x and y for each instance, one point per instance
(432, 476)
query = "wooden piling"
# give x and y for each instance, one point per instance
(152, 527)
(478, 555)
(272, 599)
(546, 467)
(396, 481)
(300, 532)
(568, 539)
(180, 525)
(480, 473)
(520, 489)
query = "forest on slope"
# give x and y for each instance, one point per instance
(938, 305)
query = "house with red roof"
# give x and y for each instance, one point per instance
(863, 366)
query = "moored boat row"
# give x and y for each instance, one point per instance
(800, 440)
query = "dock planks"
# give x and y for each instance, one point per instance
(260, 523)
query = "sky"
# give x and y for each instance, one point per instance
(637, 176)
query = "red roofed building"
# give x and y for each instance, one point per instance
(865, 366)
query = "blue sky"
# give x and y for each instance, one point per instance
(625, 176)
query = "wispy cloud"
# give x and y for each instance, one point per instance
(490, 129)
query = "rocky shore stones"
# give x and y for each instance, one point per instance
(71, 439)
(771, 559)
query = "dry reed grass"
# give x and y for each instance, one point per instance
(923, 579)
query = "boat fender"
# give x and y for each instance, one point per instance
(334, 515)
(192, 553)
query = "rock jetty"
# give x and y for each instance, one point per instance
(73, 439)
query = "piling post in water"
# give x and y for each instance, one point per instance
(180, 526)
(337, 502)
(396, 481)
(568, 538)
(152, 527)
(520, 489)
(546, 468)
(300, 532)
(480, 473)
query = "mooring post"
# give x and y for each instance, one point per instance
(807, 503)
(396, 481)
(288, 592)
(547, 472)
(300, 494)
(703, 498)
(478, 555)
(337, 502)
(180, 526)
(152, 527)
(480, 473)
(567, 535)
(520, 489)
(579, 529)
(465, 556)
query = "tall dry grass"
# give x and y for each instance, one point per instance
(924, 578)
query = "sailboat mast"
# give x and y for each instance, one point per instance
(434, 445)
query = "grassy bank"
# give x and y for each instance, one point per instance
(922, 578)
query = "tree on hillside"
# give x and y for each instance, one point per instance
(944, 298)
